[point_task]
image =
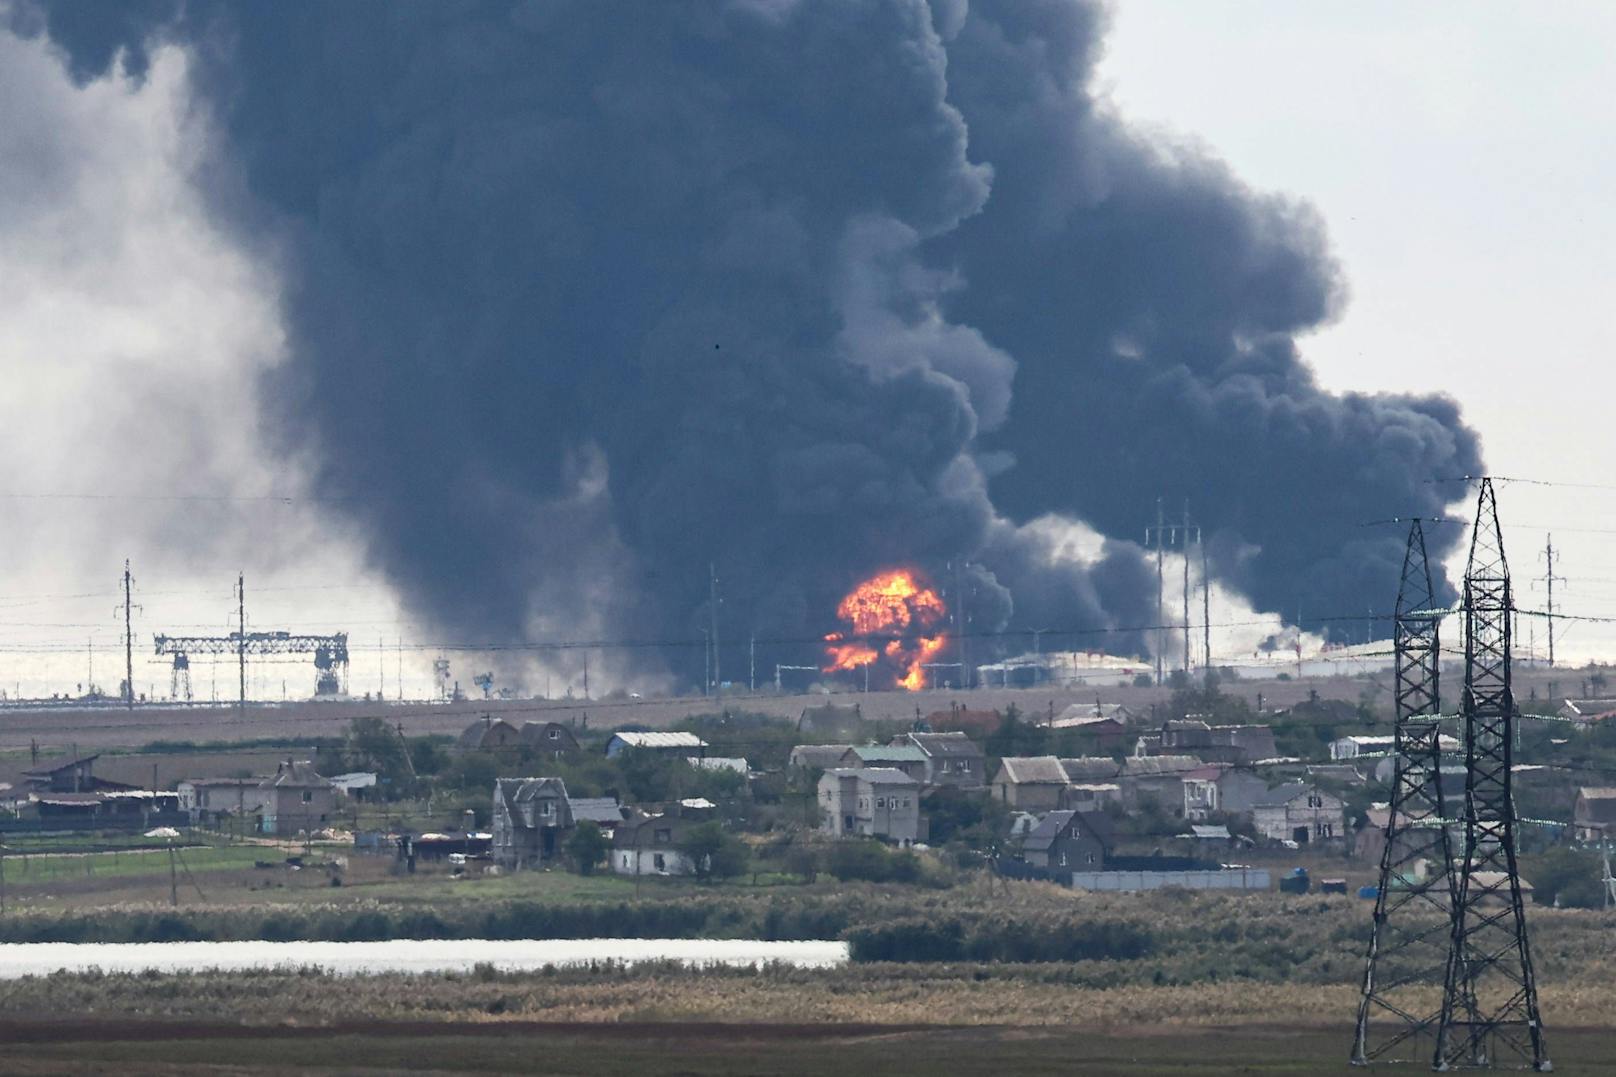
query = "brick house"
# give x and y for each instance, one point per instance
(1301, 813)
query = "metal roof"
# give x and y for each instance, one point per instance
(875, 775)
(660, 740)
(888, 753)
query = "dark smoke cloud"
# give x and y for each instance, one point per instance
(582, 297)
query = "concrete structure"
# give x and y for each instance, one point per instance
(1092, 796)
(682, 744)
(1343, 748)
(876, 802)
(1299, 812)
(1030, 783)
(1131, 881)
(952, 759)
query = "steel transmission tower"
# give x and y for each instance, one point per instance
(1408, 944)
(1489, 999)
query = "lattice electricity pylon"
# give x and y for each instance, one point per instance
(1408, 943)
(1489, 1000)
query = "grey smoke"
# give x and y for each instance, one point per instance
(583, 297)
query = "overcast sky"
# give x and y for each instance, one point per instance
(1463, 156)
(1460, 154)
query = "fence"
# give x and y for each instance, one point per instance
(93, 824)
(1231, 879)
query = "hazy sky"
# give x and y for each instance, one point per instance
(1464, 157)
(1461, 156)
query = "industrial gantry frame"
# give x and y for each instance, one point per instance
(330, 655)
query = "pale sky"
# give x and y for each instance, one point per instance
(1461, 156)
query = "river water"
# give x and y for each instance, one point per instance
(402, 955)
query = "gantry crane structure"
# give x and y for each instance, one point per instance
(330, 654)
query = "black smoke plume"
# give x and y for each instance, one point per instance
(582, 297)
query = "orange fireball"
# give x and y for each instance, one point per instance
(891, 617)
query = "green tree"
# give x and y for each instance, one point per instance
(586, 847)
(714, 851)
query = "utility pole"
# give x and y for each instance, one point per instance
(1206, 609)
(751, 664)
(1157, 534)
(241, 640)
(1549, 577)
(963, 621)
(128, 643)
(1184, 547)
(712, 612)
(586, 674)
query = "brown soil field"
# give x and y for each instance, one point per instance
(90, 728)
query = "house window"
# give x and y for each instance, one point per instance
(659, 862)
(1063, 859)
(1315, 802)
(308, 796)
(544, 808)
(880, 802)
(662, 836)
(906, 802)
(555, 734)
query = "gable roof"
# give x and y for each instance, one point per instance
(879, 754)
(874, 775)
(946, 745)
(537, 733)
(1055, 823)
(830, 718)
(1159, 766)
(298, 774)
(66, 764)
(1281, 795)
(472, 737)
(603, 810)
(1032, 770)
(660, 739)
(521, 790)
(1090, 767)
(822, 756)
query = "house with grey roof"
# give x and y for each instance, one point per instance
(296, 799)
(1156, 777)
(880, 802)
(551, 740)
(952, 759)
(489, 734)
(1065, 841)
(681, 743)
(817, 756)
(1299, 812)
(905, 757)
(1593, 813)
(831, 720)
(531, 818)
(1030, 783)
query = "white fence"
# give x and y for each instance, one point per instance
(1231, 879)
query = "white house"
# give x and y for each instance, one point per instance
(878, 802)
(1299, 812)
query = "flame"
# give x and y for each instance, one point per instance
(897, 604)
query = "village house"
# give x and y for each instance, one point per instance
(1593, 813)
(211, 801)
(1030, 783)
(831, 720)
(124, 808)
(680, 743)
(1221, 787)
(296, 800)
(1212, 743)
(1587, 712)
(1299, 812)
(1091, 768)
(652, 844)
(904, 757)
(817, 756)
(876, 802)
(489, 734)
(531, 816)
(72, 775)
(1105, 728)
(1344, 748)
(979, 724)
(952, 759)
(1065, 841)
(1156, 777)
(1092, 796)
(549, 740)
